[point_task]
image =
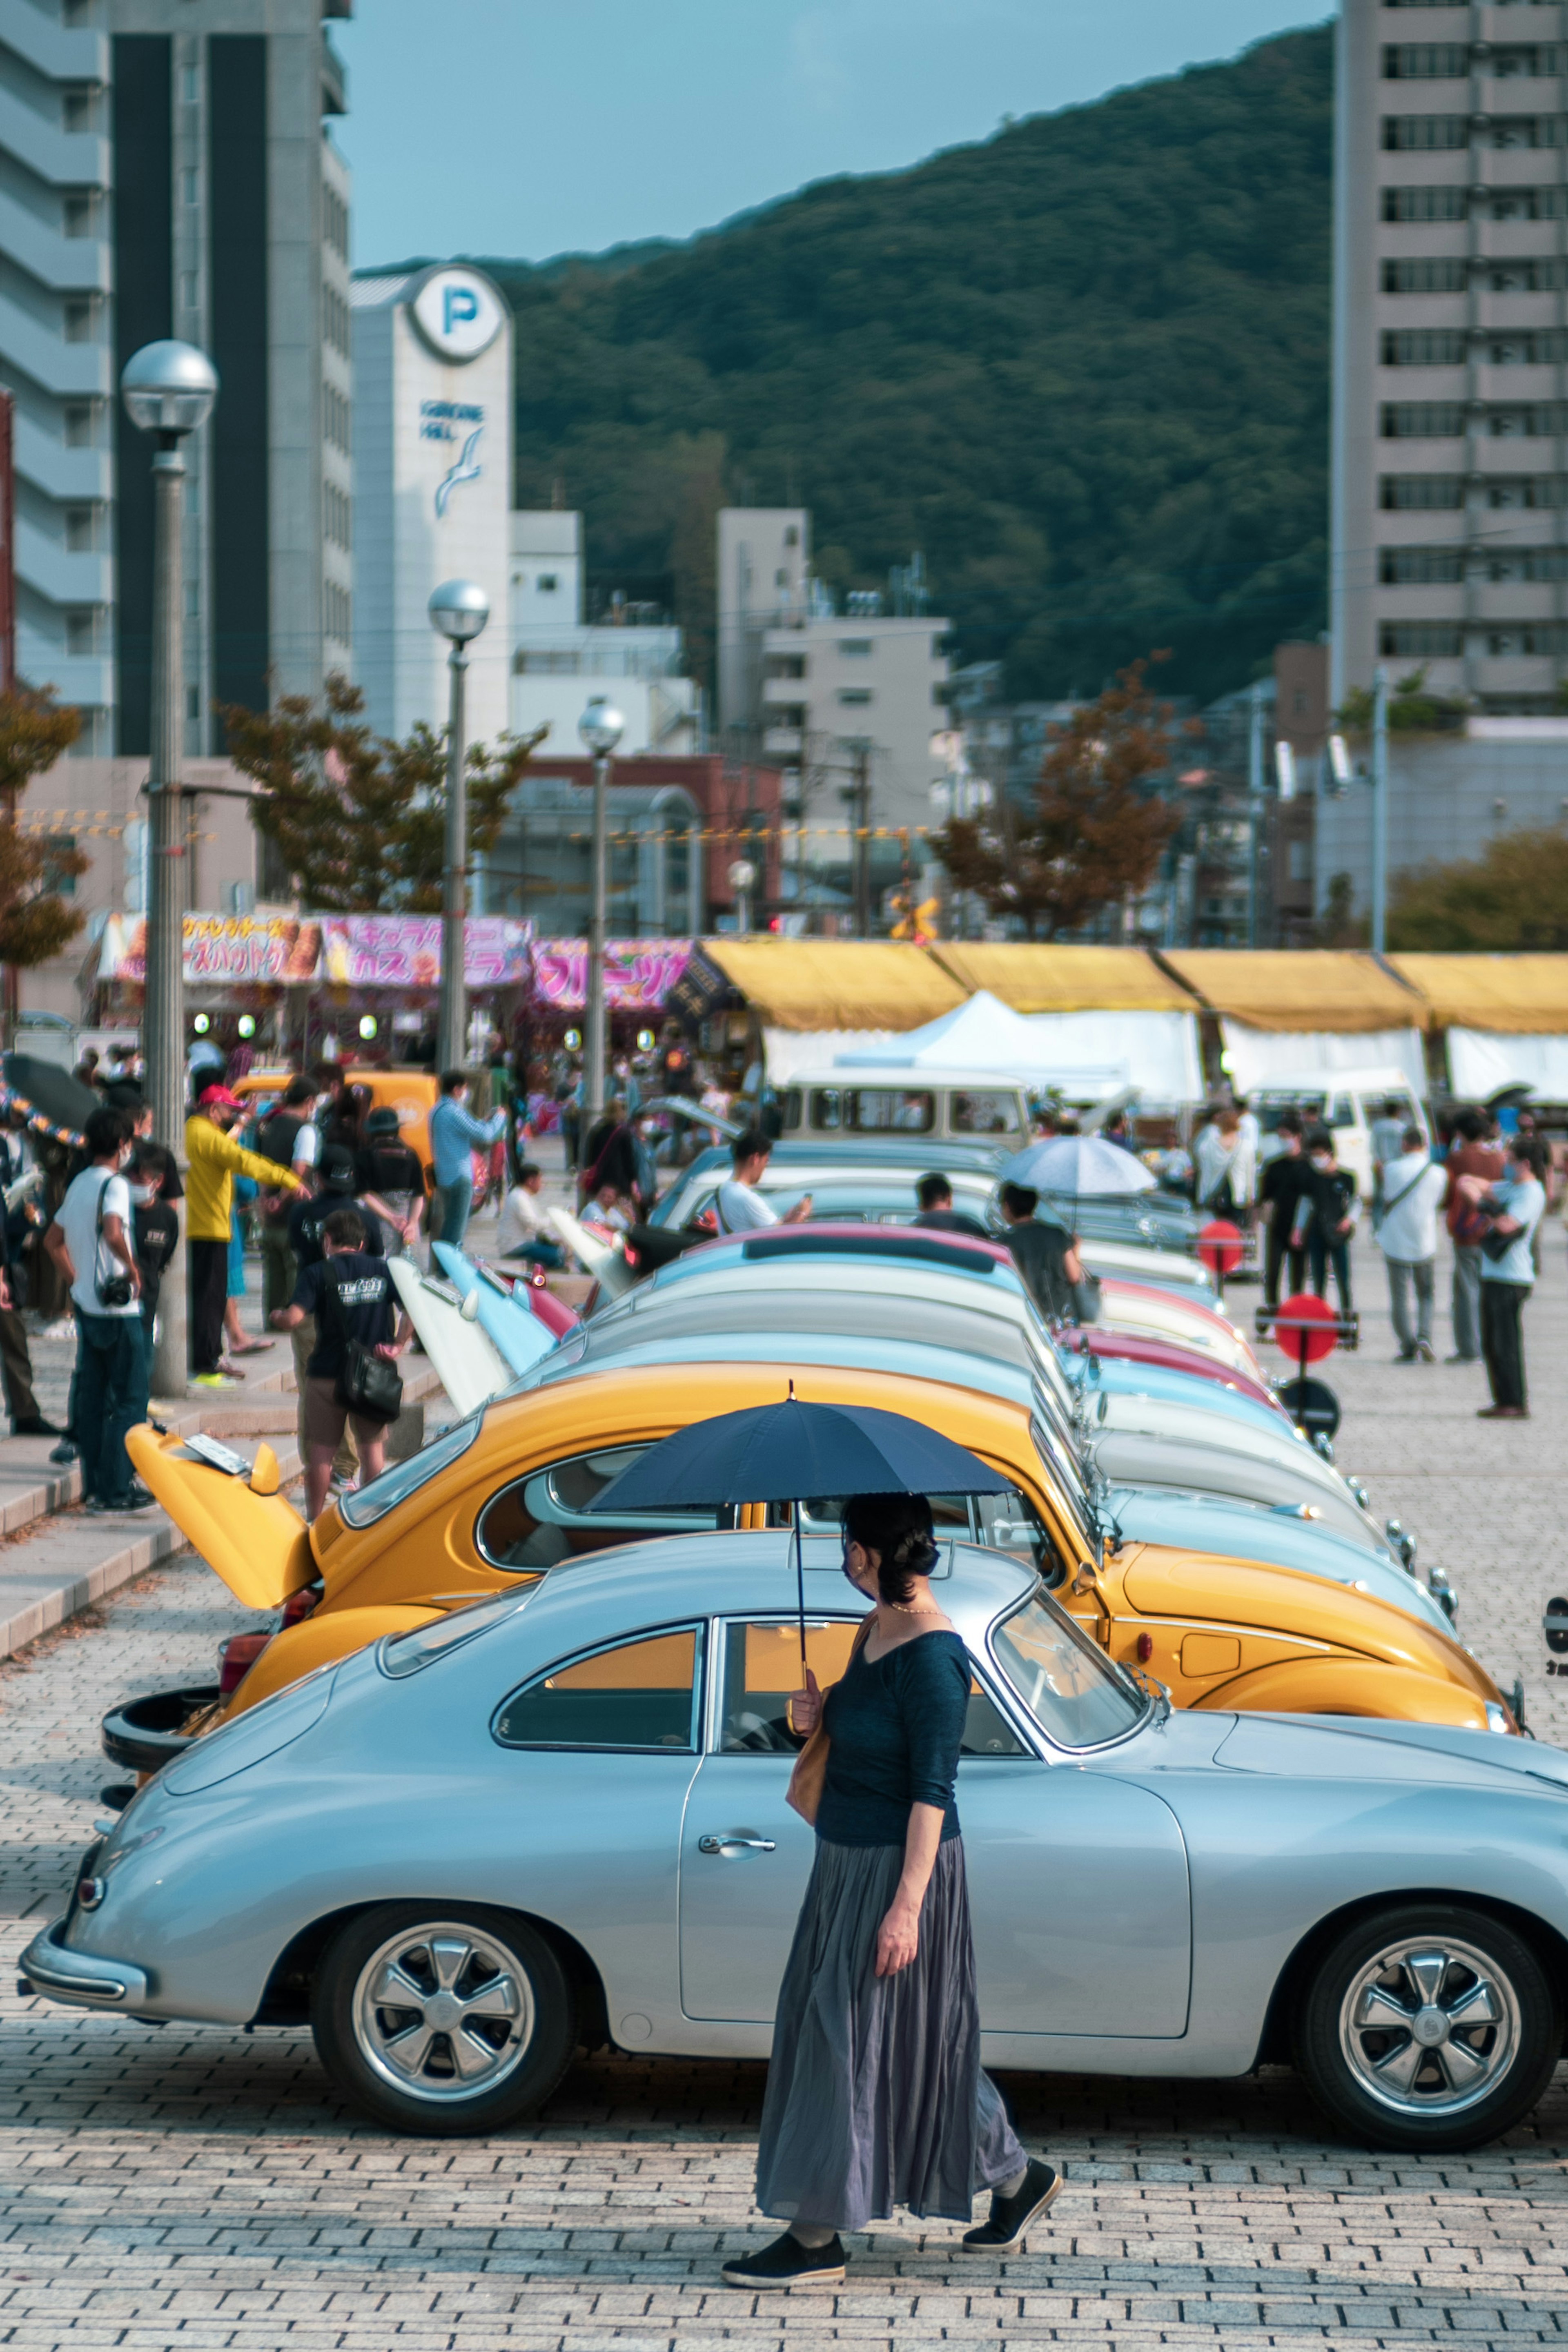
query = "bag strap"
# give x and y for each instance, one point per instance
(1389, 1207)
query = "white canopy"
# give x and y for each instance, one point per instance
(1087, 1054)
(1482, 1061)
(1258, 1057)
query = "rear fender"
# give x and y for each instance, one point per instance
(1347, 1686)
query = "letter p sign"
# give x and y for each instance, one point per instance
(459, 308)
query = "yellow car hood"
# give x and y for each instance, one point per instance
(258, 1544)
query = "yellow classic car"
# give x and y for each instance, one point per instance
(499, 1499)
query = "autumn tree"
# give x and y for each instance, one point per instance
(358, 820)
(35, 921)
(1094, 832)
(1512, 898)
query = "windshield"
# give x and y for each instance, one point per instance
(1074, 1693)
(405, 1478)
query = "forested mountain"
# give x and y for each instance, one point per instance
(1083, 366)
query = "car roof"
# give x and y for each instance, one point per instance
(907, 1078)
(957, 1254)
(868, 1153)
(600, 1594)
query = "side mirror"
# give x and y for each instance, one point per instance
(1087, 1579)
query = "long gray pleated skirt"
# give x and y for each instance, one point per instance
(875, 2094)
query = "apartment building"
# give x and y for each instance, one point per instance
(167, 169)
(1450, 432)
(635, 654)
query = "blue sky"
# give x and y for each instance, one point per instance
(533, 127)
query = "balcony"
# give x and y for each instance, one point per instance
(781, 742)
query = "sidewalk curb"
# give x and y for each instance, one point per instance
(64, 1596)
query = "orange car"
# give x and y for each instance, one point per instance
(412, 1094)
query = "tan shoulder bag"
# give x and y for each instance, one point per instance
(804, 1794)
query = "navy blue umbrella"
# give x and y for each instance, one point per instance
(777, 1453)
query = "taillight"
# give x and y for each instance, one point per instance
(236, 1657)
(1145, 1648)
(300, 1605)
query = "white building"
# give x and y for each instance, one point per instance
(432, 489)
(829, 696)
(560, 660)
(166, 170)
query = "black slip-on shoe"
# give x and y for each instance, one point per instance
(787, 2263)
(1011, 2216)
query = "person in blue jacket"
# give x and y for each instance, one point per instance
(455, 1133)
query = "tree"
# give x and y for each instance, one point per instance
(1413, 708)
(34, 920)
(1513, 898)
(359, 821)
(1095, 834)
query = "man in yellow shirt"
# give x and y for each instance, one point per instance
(215, 1160)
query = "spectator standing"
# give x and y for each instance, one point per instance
(934, 1194)
(289, 1134)
(388, 1176)
(1386, 1143)
(90, 1242)
(1046, 1255)
(154, 1225)
(1286, 1177)
(345, 1294)
(1413, 1190)
(306, 1224)
(214, 1161)
(609, 1155)
(1227, 1169)
(1541, 1168)
(520, 1230)
(1516, 1207)
(240, 1343)
(1470, 1155)
(454, 1135)
(1326, 1215)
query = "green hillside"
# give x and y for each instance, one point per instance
(1083, 366)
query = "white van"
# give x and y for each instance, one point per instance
(892, 1100)
(1350, 1102)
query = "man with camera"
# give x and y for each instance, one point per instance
(91, 1243)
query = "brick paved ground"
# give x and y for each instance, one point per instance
(167, 2190)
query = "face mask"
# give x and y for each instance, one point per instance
(1323, 1166)
(144, 1194)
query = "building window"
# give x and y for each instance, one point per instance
(1526, 563)
(858, 694)
(1424, 567)
(81, 110)
(1523, 276)
(1515, 493)
(1424, 347)
(81, 532)
(547, 583)
(1403, 493)
(1423, 420)
(537, 665)
(1537, 420)
(1522, 639)
(337, 516)
(1417, 134)
(1523, 351)
(335, 417)
(1426, 61)
(1509, 131)
(1430, 276)
(81, 632)
(80, 319)
(1537, 62)
(1522, 204)
(856, 649)
(81, 215)
(81, 425)
(337, 613)
(190, 86)
(335, 222)
(187, 290)
(58, 877)
(189, 190)
(1404, 639)
(1423, 204)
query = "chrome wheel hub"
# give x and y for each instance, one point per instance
(442, 2011)
(1429, 2027)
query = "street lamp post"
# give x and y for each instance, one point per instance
(458, 609)
(743, 881)
(601, 727)
(1254, 809)
(1379, 808)
(168, 389)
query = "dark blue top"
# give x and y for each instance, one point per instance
(896, 1727)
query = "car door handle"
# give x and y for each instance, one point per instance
(723, 1844)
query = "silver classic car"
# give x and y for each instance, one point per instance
(557, 1817)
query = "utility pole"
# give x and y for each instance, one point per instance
(601, 727)
(458, 609)
(1379, 808)
(168, 389)
(860, 813)
(1254, 809)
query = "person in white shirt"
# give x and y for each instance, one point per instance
(91, 1243)
(1514, 1208)
(520, 1229)
(741, 1207)
(1413, 1190)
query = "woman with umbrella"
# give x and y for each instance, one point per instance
(875, 2095)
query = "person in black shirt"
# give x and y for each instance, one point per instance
(155, 1224)
(934, 1194)
(1046, 1255)
(1284, 1180)
(345, 1294)
(1326, 1215)
(306, 1224)
(388, 1177)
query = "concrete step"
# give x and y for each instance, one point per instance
(70, 1562)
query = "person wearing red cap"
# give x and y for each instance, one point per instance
(215, 1160)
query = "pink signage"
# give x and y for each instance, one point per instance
(405, 952)
(639, 974)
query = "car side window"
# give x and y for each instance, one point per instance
(762, 1670)
(639, 1694)
(536, 1521)
(984, 1114)
(1341, 1112)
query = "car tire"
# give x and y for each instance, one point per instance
(441, 2019)
(1428, 2027)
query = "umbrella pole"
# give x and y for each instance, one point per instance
(800, 1594)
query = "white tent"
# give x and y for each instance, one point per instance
(1257, 1058)
(1481, 1062)
(983, 1034)
(1087, 1054)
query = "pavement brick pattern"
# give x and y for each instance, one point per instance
(164, 2189)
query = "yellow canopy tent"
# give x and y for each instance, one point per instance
(1522, 995)
(1061, 978)
(1343, 990)
(835, 984)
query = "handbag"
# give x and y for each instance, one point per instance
(1495, 1246)
(368, 1385)
(804, 1795)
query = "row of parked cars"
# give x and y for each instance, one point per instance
(508, 1775)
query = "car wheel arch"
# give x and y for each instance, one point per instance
(285, 1999)
(1549, 1944)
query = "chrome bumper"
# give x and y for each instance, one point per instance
(81, 1978)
